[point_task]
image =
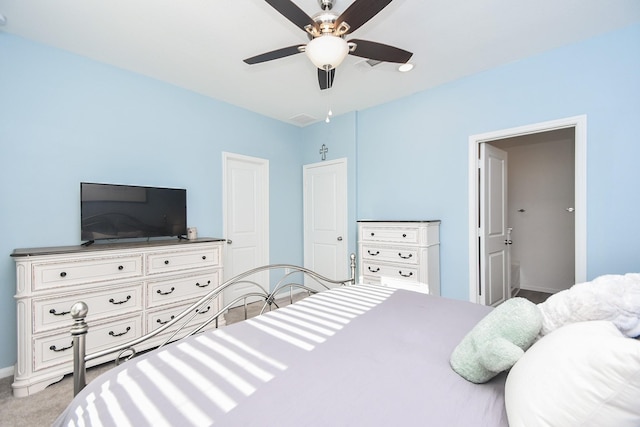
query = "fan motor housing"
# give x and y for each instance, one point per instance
(326, 21)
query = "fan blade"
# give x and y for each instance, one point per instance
(360, 12)
(274, 54)
(293, 13)
(325, 78)
(380, 52)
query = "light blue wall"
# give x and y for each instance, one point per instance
(65, 119)
(413, 153)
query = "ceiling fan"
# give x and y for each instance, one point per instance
(327, 30)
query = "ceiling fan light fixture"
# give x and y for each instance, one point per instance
(327, 52)
(403, 68)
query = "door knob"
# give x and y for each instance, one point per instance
(229, 241)
(339, 238)
(570, 210)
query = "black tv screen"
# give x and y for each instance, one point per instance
(109, 211)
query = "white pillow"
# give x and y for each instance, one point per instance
(582, 374)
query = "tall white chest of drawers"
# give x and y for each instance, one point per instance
(400, 250)
(130, 289)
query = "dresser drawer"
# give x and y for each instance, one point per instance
(404, 272)
(167, 261)
(407, 255)
(404, 235)
(86, 270)
(370, 280)
(155, 319)
(57, 349)
(50, 313)
(168, 291)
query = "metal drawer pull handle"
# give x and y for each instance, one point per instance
(53, 348)
(166, 262)
(166, 293)
(53, 311)
(372, 254)
(404, 235)
(404, 257)
(204, 257)
(373, 234)
(203, 312)
(63, 274)
(162, 322)
(121, 267)
(374, 271)
(113, 334)
(203, 286)
(112, 301)
(405, 275)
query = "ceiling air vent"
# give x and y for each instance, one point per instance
(367, 64)
(303, 119)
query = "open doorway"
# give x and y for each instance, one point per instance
(540, 210)
(545, 219)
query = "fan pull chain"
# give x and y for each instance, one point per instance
(329, 113)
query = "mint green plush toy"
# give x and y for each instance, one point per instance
(497, 341)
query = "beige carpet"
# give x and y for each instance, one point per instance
(42, 408)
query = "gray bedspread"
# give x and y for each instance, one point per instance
(358, 356)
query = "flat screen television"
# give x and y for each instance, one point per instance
(109, 211)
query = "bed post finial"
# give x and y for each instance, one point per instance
(353, 268)
(79, 331)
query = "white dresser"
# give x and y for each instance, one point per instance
(400, 250)
(130, 289)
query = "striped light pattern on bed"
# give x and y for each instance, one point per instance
(207, 375)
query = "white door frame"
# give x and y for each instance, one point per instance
(580, 125)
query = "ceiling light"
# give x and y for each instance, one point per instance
(327, 52)
(405, 67)
(329, 114)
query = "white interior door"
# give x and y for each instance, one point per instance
(246, 217)
(494, 254)
(325, 218)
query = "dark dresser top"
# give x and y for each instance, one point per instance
(97, 247)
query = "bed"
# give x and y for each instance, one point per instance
(355, 354)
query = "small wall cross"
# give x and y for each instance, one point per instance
(324, 150)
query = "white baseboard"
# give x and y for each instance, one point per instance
(6, 372)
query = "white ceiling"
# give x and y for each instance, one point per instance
(200, 44)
